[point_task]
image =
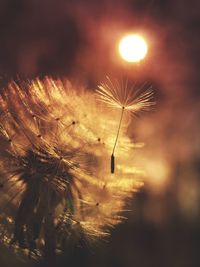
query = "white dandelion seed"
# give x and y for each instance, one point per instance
(122, 96)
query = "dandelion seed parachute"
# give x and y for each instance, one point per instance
(55, 185)
(121, 96)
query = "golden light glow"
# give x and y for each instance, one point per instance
(133, 48)
(158, 171)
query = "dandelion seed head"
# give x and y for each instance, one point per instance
(55, 147)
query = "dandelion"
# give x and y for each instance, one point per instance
(55, 187)
(121, 96)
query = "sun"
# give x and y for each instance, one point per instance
(133, 48)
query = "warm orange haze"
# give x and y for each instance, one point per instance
(99, 133)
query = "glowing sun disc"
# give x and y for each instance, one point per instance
(133, 48)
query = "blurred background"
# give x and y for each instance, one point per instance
(78, 39)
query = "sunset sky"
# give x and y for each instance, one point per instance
(78, 40)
